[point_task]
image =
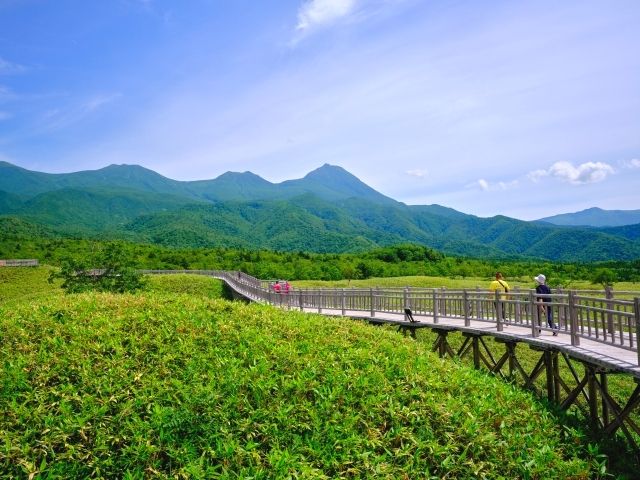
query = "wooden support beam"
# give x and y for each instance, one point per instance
(441, 345)
(410, 329)
(622, 415)
(508, 356)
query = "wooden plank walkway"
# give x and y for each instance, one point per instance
(609, 356)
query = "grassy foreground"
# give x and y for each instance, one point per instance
(184, 386)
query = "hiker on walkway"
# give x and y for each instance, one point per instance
(502, 287)
(544, 303)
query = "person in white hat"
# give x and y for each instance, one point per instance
(545, 301)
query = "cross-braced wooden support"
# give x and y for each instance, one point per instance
(622, 415)
(474, 342)
(603, 411)
(441, 345)
(407, 328)
(509, 358)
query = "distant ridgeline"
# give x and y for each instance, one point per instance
(327, 211)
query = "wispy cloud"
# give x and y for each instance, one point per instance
(483, 184)
(9, 68)
(588, 172)
(320, 13)
(486, 186)
(6, 94)
(58, 118)
(417, 172)
(633, 163)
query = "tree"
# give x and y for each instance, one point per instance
(604, 277)
(107, 270)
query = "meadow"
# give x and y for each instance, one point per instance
(175, 382)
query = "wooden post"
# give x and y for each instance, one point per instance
(556, 376)
(500, 327)
(405, 302)
(435, 305)
(636, 311)
(300, 300)
(342, 302)
(604, 383)
(608, 293)
(465, 301)
(372, 302)
(319, 300)
(561, 313)
(592, 393)
(573, 316)
(548, 364)
(476, 352)
(534, 314)
(478, 313)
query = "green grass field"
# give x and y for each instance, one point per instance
(174, 382)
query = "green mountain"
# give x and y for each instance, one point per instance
(89, 211)
(327, 182)
(329, 210)
(596, 217)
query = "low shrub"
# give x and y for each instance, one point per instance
(179, 386)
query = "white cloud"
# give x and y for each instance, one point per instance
(483, 184)
(508, 185)
(318, 13)
(633, 163)
(417, 172)
(588, 172)
(536, 175)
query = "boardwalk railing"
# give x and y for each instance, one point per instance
(589, 314)
(31, 262)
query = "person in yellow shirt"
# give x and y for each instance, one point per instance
(502, 287)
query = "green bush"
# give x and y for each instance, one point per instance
(179, 386)
(110, 269)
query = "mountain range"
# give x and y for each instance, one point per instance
(329, 210)
(596, 217)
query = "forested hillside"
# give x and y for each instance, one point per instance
(329, 210)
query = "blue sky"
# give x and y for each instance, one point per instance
(525, 109)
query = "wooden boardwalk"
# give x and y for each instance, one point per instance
(598, 336)
(591, 342)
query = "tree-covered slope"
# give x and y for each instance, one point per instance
(329, 210)
(93, 210)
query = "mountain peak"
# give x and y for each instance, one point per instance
(329, 171)
(331, 182)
